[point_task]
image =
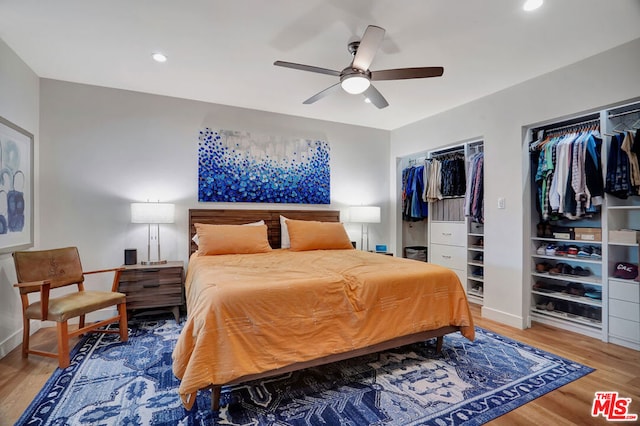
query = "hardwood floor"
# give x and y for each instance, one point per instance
(617, 369)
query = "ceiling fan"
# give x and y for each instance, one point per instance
(356, 78)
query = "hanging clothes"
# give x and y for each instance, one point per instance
(453, 177)
(568, 174)
(414, 208)
(474, 198)
(434, 193)
(623, 171)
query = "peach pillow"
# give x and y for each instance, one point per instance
(314, 235)
(196, 239)
(231, 239)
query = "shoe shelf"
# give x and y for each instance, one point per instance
(475, 265)
(593, 280)
(565, 316)
(568, 297)
(563, 272)
(475, 292)
(569, 258)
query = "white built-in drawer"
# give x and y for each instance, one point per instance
(450, 233)
(625, 310)
(624, 329)
(629, 291)
(452, 257)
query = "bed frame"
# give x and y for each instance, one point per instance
(272, 220)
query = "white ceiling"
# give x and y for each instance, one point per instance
(223, 51)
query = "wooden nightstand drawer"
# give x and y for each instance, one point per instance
(153, 286)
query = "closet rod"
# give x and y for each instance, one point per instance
(624, 113)
(576, 123)
(448, 151)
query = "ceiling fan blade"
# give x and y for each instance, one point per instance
(307, 68)
(322, 94)
(368, 47)
(375, 97)
(404, 73)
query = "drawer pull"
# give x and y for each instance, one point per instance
(446, 234)
(151, 285)
(446, 257)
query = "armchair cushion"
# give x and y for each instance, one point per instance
(75, 304)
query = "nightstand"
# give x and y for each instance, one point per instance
(153, 287)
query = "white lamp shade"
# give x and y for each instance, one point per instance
(152, 212)
(364, 214)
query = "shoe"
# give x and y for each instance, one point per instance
(572, 251)
(550, 306)
(576, 289)
(543, 267)
(585, 251)
(550, 250)
(541, 249)
(583, 272)
(561, 250)
(557, 269)
(596, 253)
(593, 294)
(479, 257)
(567, 270)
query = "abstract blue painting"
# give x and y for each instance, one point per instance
(235, 166)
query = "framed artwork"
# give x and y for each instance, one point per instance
(237, 166)
(16, 187)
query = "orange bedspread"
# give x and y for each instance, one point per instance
(250, 313)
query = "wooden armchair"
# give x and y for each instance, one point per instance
(42, 271)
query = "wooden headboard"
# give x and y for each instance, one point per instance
(271, 219)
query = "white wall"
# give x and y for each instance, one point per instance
(104, 148)
(19, 99)
(605, 79)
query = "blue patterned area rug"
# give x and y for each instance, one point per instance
(114, 383)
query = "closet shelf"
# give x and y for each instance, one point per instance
(630, 207)
(568, 258)
(475, 293)
(623, 244)
(590, 322)
(570, 278)
(476, 263)
(569, 297)
(556, 240)
(476, 278)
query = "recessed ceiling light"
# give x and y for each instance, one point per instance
(367, 100)
(159, 57)
(530, 5)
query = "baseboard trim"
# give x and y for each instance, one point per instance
(503, 317)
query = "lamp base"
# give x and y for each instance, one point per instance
(154, 262)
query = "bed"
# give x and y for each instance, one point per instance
(264, 313)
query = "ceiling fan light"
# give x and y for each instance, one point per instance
(159, 57)
(531, 5)
(355, 84)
